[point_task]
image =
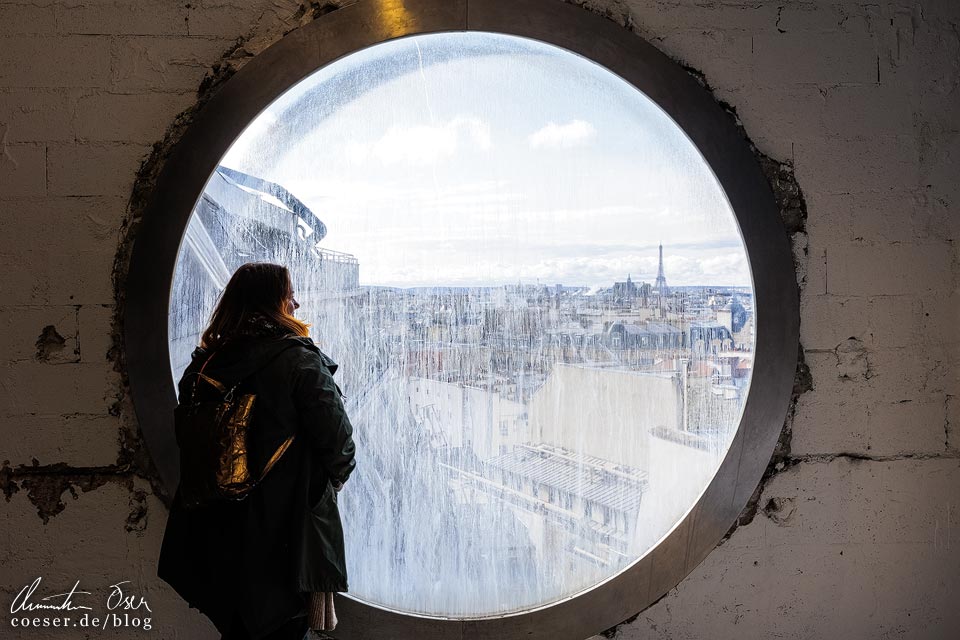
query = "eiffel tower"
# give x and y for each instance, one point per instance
(661, 283)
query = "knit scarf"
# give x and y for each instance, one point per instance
(258, 325)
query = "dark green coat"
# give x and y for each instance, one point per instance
(259, 556)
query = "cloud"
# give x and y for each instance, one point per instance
(494, 266)
(422, 144)
(561, 136)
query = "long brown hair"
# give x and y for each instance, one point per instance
(256, 287)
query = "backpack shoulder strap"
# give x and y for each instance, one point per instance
(201, 376)
(221, 386)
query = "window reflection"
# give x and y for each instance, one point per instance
(483, 233)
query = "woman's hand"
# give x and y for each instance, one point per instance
(337, 486)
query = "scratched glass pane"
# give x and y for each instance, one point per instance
(540, 390)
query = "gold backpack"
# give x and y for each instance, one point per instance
(212, 436)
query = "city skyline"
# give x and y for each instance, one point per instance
(590, 289)
(489, 390)
(427, 177)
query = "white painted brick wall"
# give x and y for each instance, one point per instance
(857, 549)
(142, 64)
(54, 61)
(862, 96)
(76, 439)
(93, 168)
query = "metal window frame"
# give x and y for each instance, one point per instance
(711, 129)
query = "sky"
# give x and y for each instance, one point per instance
(475, 159)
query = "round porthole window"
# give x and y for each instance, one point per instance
(532, 261)
(481, 228)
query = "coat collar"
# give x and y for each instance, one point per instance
(243, 354)
(310, 344)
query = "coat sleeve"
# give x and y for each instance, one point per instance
(323, 419)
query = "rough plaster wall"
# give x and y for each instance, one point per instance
(856, 532)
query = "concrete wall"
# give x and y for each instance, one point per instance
(855, 537)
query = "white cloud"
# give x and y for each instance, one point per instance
(422, 144)
(486, 264)
(561, 136)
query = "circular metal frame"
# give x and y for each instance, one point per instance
(711, 129)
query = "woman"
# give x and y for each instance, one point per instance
(267, 566)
